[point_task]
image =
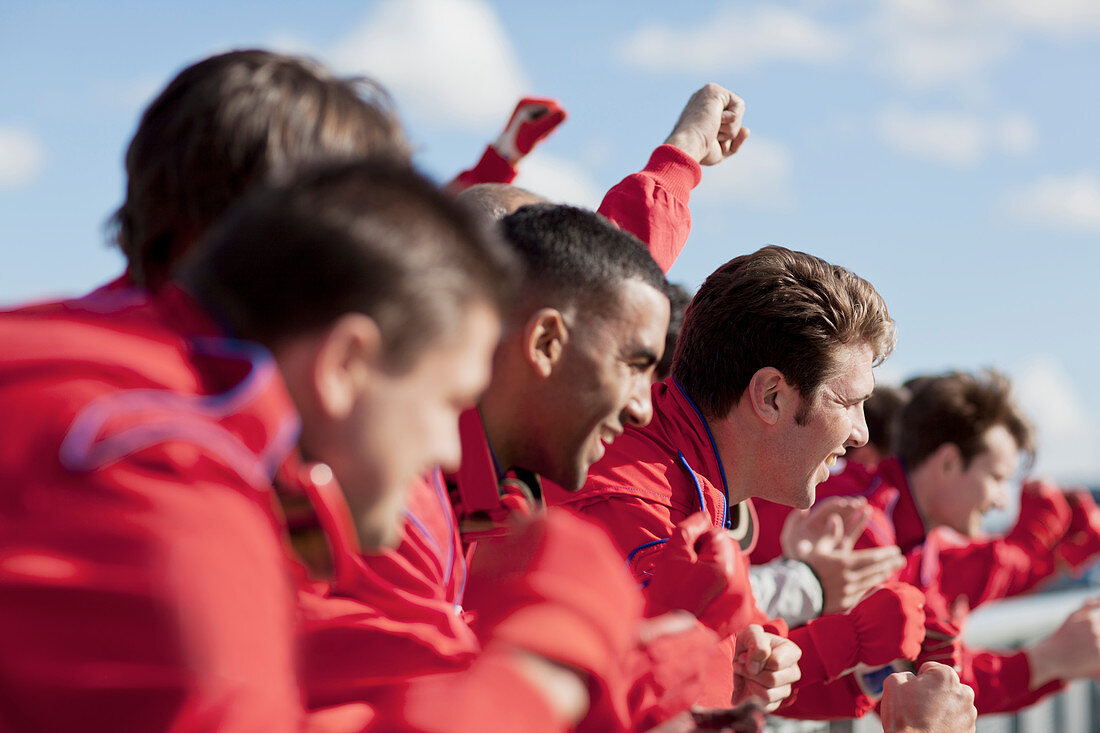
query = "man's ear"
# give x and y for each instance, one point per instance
(346, 362)
(946, 461)
(768, 394)
(544, 338)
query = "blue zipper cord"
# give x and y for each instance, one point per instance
(643, 546)
(639, 548)
(694, 479)
(714, 447)
(699, 491)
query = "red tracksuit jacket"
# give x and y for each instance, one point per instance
(943, 561)
(654, 477)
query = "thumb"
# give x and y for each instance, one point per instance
(854, 528)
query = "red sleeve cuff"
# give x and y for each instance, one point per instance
(492, 168)
(677, 171)
(1017, 667)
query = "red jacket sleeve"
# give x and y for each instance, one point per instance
(1001, 680)
(837, 700)
(670, 673)
(990, 570)
(151, 594)
(490, 695)
(653, 203)
(491, 168)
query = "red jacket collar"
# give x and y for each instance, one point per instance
(890, 491)
(671, 461)
(229, 397)
(478, 477)
(684, 423)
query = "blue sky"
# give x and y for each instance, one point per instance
(944, 149)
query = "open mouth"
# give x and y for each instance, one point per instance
(831, 460)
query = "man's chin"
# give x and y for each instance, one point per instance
(380, 530)
(805, 500)
(570, 478)
(374, 540)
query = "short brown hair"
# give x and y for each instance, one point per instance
(959, 408)
(372, 237)
(881, 411)
(226, 123)
(778, 308)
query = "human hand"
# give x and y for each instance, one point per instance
(1072, 651)
(765, 665)
(931, 701)
(533, 119)
(824, 538)
(709, 128)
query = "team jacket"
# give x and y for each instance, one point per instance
(653, 477)
(964, 573)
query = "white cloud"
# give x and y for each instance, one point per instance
(758, 176)
(559, 180)
(929, 43)
(735, 38)
(445, 60)
(1068, 435)
(1065, 202)
(924, 44)
(924, 60)
(956, 43)
(1016, 134)
(1062, 17)
(21, 157)
(953, 138)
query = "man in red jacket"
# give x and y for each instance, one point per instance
(771, 369)
(145, 579)
(958, 443)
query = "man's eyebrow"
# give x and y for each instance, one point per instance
(861, 398)
(643, 354)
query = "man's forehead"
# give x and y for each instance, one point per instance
(1000, 446)
(855, 376)
(637, 311)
